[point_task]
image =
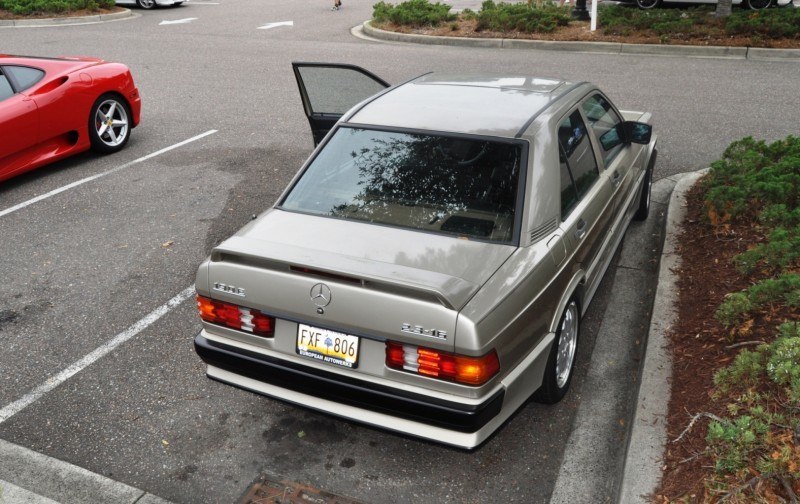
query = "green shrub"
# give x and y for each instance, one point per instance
(733, 440)
(784, 289)
(752, 176)
(521, 17)
(770, 23)
(23, 7)
(756, 181)
(755, 434)
(733, 308)
(745, 371)
(780, 251)
(698, 21)
(784, 363)
(621, 20)
(415, 13)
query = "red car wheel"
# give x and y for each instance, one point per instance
(109, 124)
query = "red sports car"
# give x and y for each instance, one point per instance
(51, 108)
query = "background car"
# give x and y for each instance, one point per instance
(150, 4)
(427, 269)
(51, 108)
(747, 4)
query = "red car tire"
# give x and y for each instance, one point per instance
(110, 123)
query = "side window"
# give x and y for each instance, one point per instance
(577, 158)
(5, 87)
(605, 124)
(569, 196)
(25, 76)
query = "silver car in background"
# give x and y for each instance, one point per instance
(427, 269)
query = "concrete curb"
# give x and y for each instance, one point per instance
(723, 52)
(648, 436)
(28, 476)
(65, 21)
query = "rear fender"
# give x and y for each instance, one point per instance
(573, 290)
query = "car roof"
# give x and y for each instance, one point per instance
(479, 104)
(59, 64)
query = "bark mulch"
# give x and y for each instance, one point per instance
(701, 346)
(579, 31)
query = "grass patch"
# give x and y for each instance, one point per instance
(25, 7)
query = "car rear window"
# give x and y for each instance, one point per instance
(462, 186)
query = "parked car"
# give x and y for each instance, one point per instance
(427, 269)
(150, 4)
(51, 108)
(747, 4)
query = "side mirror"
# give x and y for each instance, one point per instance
(636, 132)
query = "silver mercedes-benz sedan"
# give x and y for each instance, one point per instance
(427, 269)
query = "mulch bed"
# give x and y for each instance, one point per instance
(579, 31)
(4, 14)
(701, 345)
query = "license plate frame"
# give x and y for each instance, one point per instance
(320, 344)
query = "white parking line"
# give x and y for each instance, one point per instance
(51, 383)
(95, 177)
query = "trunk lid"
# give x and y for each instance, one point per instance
(381, 279)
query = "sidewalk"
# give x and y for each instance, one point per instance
(28, 477)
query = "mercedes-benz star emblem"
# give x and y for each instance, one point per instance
(321, 295)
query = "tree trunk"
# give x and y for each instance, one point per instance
(724, 8)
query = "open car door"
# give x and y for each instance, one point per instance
(328, 90)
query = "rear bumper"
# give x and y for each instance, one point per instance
(352, 398)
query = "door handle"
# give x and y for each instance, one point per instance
(580, 229)
(616, 178)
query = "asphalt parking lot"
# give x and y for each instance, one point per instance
(222, 133)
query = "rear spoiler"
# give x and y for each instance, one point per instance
(452, 292)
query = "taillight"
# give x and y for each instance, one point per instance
(442, 365)
(237, 317)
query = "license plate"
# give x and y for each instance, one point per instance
(327, 346)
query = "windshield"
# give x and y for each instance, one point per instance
(462, 186)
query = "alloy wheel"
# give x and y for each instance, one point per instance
(111, 123)
(567, 343)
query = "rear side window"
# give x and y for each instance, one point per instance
(569, 196)
(25, 77)
(5, 87)
(577, 151)
(604, 123)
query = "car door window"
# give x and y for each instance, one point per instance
(605, 124)
(577, 152)
(332, 90)
(569, 195)
(5, 87)
(25, 77)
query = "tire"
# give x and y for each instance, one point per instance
(648, 4)
(647, 188)
(109, 124)
(146, 4)
(561, 361)
(757, 4)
